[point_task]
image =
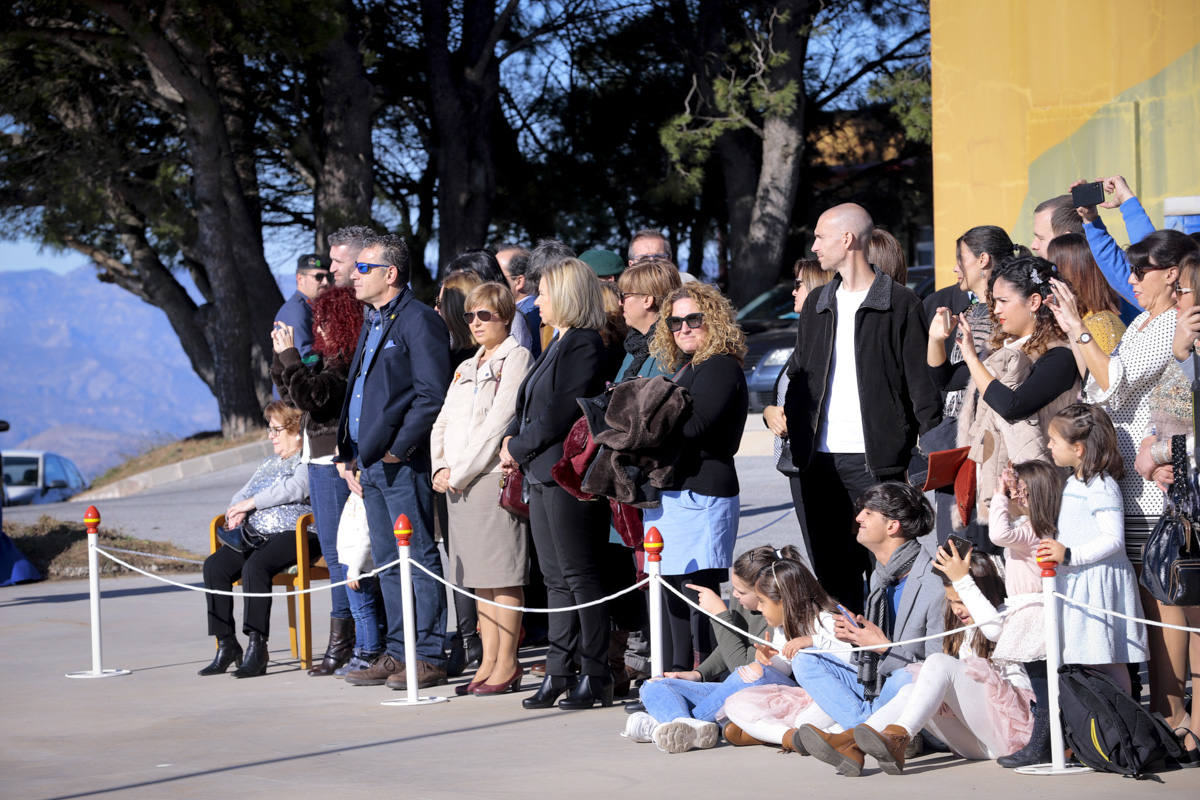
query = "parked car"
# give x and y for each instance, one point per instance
(770, 326)
(37, 476)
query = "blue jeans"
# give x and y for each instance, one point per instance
(390, 490)
(368, 622)
(328, 493)
(672, 698)
(833, 685)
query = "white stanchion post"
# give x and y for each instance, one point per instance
(403, 531)
(1057, 765)
(653, 545)
(91, 518)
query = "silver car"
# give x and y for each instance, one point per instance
(38, 476)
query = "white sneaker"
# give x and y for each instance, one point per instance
(639, 727)
(683, 734)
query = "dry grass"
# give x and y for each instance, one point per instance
(200, 444)
(59, 550)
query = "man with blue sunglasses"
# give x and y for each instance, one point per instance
(397, 385)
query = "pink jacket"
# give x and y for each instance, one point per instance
(1021, 571)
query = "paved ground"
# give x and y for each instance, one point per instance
(164, 732)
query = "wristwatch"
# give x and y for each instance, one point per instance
(1066, 556)
(1084, 338)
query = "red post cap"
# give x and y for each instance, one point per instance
(91, 518)
(403, 530)
(1049, 568)
(652, 543)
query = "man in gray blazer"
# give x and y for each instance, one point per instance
(906, 601)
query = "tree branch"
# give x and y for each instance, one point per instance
(872, 65)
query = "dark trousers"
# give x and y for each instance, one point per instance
(255, 569)
(687, 633)
(569, 536)
(390, 490)
(831, 486)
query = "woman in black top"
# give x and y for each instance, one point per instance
(702, 344)
(568, 534)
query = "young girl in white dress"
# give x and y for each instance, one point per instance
(1090, 548)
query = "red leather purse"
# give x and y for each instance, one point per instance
(510, 495)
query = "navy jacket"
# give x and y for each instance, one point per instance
(297, 312)
(547, 407)
(404, 388)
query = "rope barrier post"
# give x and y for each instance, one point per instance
(91, 518)
(1057, 765)
(652, 543)
(403, 531)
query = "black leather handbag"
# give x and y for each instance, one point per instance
(1171, 555)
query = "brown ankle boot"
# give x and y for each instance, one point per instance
(791, 743)
(886, 746)
(737, 737)
(838, 749)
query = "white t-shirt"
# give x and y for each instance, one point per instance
(841, 428)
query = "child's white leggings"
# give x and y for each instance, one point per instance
(751, 711)
(971, 732)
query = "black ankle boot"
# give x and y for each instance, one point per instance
(254, 662)
(552, 686)
(340, 648)
(228, 652)
(1038, 749)
(591, 688)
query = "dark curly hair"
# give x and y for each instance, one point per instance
(337, 321)
(1029, 275)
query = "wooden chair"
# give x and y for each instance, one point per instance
(301, 576)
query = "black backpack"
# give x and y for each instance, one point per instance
(1107, 729)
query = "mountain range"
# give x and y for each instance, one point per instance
(92, 372)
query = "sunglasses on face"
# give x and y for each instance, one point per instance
(1140, 272)
(626, 295)
(320, 277)
(364, 267)
(483, 314)
(797, 284)
(675, 324)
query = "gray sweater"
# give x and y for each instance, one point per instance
(733, 649)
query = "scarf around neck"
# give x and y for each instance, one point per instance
(879, 611)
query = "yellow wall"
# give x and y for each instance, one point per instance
(1029, 96)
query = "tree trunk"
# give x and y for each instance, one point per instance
(344, 184)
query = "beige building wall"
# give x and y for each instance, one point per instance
(1030, 96)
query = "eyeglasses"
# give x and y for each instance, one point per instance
(625, 295)
(651, 257)
(675, 324)
(1183, 290)
(364, 267)
(275, 430)
(320, 277)
(1140, 272)
(483, 314)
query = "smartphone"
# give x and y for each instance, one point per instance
(960, 544)
(849, 617)
(946, 318)
(1088, 194)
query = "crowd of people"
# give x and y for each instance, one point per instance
(551, 408)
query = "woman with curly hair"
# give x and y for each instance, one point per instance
(1029, 377)
(318, 390)
(704, 348)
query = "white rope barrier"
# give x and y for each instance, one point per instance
(1112, 613)
(523, 609)
(206, 590)
(155, 555)
(811, 651)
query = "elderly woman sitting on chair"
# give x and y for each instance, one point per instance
(270, 504)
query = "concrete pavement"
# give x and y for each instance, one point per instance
(164, 732)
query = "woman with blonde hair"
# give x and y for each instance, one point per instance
(568, 534)
(644, 287)
(486, 544)
(701, 343)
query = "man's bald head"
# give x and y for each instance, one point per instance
(853, 219)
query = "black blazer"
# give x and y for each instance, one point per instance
(404, 389)
(570, 368)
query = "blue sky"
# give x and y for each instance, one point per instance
(24, 254)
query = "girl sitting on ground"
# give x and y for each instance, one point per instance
(799, 615)
(978, 707)
(699, 693)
